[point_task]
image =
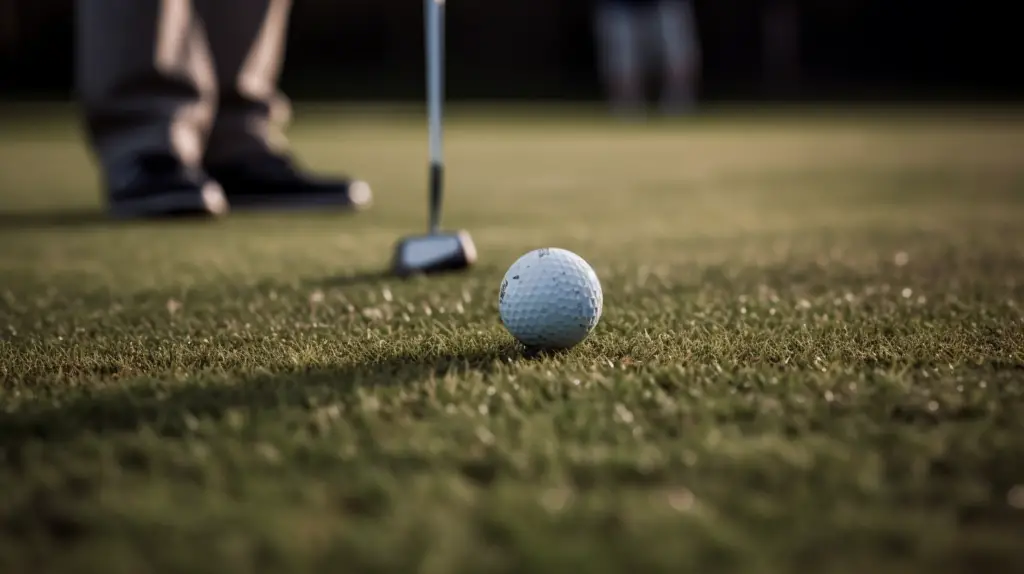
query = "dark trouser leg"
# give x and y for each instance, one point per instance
(247, 39)
(247, 151)
(146, 86)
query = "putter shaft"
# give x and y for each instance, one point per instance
(435, 98)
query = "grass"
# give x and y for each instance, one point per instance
(811, 357)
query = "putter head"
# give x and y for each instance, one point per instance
(434, 253)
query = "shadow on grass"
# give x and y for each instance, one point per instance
(167, 412)
(381, 275)
(79, 218)
(50, 219)
(354, 280)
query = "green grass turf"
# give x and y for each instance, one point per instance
(811, 357)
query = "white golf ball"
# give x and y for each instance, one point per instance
(550, 298)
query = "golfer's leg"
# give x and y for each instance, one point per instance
(146, 97)
(680, 50)
(246, 152)
(616, 31)
(247, 39)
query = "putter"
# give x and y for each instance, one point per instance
(437, 251)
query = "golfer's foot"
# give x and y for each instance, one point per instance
(274, 182)
(678, 106)
(159, 186)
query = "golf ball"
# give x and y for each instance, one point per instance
(550, 299)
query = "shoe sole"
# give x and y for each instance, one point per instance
(359, 198)
(209, 202)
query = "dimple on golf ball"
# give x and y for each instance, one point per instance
(550, 299)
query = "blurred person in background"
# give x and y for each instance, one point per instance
(183, 112)
(635, 36)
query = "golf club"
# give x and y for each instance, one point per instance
(436, 251)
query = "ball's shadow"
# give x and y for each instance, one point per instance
(540, 353)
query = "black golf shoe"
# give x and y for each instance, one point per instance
(274, 182)
(160, 187)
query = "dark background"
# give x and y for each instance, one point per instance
(509, 49)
